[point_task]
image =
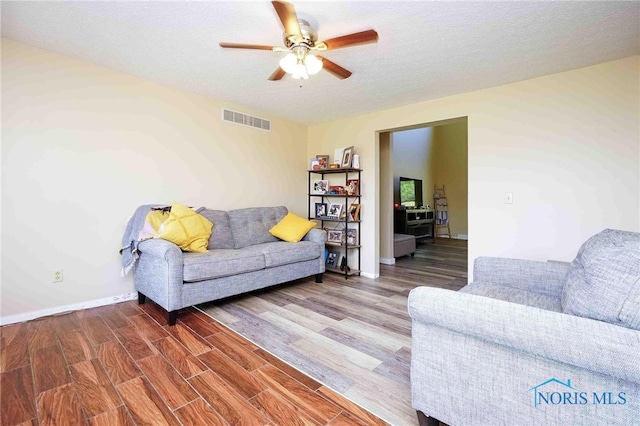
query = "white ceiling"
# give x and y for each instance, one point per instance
(426, 49)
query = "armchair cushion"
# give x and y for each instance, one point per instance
(603, 282)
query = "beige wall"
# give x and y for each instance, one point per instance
(566, 146)
(83, 146)
(451, 158)
(413, 157)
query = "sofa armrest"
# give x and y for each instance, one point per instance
(159, 272)
(582, 342)
(316, 235)
(531, 275)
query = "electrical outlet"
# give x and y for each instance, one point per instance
(57, 276)
(508, 197)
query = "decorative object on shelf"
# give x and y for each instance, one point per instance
(334, 166)
(335, 210)
(353, 186)
(336, 236)
(343, 264)
(352, 237)
(332, 259)
(321, 209)
(336, 190)
(347, 157)
(320, 186)
(354, 211)
(315, 164)
(356, 161)
(323, 160)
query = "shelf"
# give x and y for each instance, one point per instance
(335, 195)
(333, 219)
(329, 171)
(350, 246)
(338, 271)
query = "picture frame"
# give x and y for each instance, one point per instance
(335, 236)
(315, 164)
(353, 186)
(347, 157)
(332, 259)
(352, 237)
(321, 210)
(354, 211)
(320, 186)
(323, 161)
(335, 210)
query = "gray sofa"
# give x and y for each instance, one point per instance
(533, 343)
(243, 256)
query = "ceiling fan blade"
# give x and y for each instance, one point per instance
(246, 46)
(277, 74)
(363, 37)
(287, 14)
(334, 68)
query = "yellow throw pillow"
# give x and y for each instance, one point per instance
(291, 228)
(187, 229)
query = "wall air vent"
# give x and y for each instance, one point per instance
(245, 119)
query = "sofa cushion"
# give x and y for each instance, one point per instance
(251, 226)
(220, 263)
(284, 253)
(292, 228)
(185, 228)
(514, 295)
(603, 279)
(221, 235)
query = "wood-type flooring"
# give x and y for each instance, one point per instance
(123, 365)
(354, 335)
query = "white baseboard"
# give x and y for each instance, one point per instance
(27, 316)
(388, 260)
(368, 275)
(461, 237)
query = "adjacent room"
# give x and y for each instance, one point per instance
(199, 204)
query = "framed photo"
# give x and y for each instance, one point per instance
(315, 164)
(354, 211)
(352, 237)
(321, 210)
(323, 161)
(335, 210)
(320, 186)
(335, 236)
(353, 186)
(332, 259)
(347, 155)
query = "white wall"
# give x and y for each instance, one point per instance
(83, 146)
(566, 145)
(413, 152)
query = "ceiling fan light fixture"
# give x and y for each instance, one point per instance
(313, 64)
(288, 63)
(300, 72)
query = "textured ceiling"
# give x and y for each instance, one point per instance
(426, 49)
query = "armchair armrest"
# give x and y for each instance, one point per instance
(531, 275)
(582, 342)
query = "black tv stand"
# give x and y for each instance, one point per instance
(418, 222)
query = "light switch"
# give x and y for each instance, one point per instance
(508, 197)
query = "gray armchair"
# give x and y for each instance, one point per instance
(532, 342)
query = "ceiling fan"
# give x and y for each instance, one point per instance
(300, 39)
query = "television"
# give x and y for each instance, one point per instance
(410, 192)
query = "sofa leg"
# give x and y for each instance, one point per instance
(424, 420)
(141, 298)
(318, 278)
(172, 317)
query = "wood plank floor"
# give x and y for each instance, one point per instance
(354, 335)
(122, 365)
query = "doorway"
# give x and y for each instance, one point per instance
(435, 154)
